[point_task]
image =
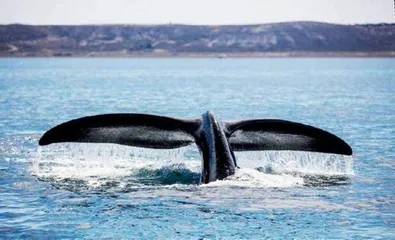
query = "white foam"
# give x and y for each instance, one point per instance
(98, 164)
(252, 178)
(296, 162)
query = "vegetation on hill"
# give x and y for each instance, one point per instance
(88, 40)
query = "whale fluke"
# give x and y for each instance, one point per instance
(273, 134)
(140, 130)
(215, 139)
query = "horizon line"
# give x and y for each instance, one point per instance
(191, 24)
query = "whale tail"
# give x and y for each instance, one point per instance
(152, 131)
(140, 130)
(273, 134)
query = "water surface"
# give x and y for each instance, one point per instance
(105, 191)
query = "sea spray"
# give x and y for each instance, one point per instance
(99, 165)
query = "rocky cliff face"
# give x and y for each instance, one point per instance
(20, 40)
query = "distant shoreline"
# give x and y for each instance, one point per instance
(290, 39)
(384, 54)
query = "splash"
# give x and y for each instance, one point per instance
(252, 178)
(305, 163)
(104, 166)
(98, 165)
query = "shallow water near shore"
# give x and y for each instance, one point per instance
(107, 191)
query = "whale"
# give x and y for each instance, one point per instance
(216, 139)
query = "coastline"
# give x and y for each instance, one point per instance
(123, 54)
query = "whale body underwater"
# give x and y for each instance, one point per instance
(217, 140)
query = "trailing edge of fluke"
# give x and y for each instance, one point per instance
(216, 139)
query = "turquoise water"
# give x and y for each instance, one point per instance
(93, 191)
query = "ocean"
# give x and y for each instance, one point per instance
(107, 191)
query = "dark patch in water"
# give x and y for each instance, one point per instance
(206, 210)
(323, 181)
(167, 176)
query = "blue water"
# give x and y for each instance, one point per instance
(104, 191)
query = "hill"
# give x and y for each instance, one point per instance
(276, 39)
